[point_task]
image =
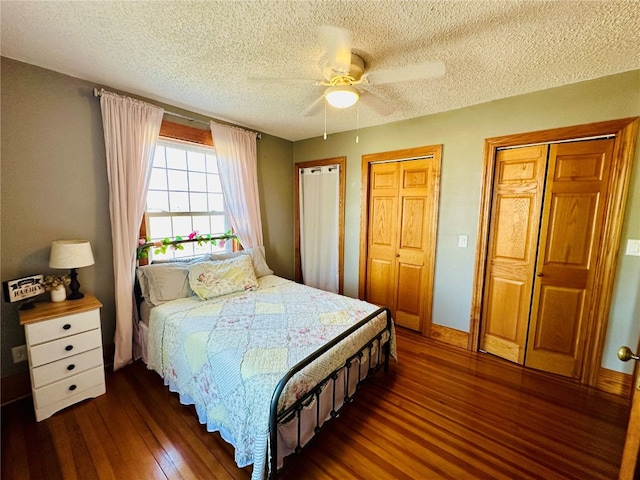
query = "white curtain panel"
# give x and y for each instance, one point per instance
(319, 202)
(131, 130)
(238, 168)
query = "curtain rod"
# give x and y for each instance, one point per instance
(97, 93)
(319, 169)
(568, 140)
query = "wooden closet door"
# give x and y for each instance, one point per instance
(399, 212)
(411, 255)
(513, 241)
(574, 206)
(382, 234)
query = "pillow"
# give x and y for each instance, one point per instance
(167, 279)
(184, 260)
(259, 262)
(260, 266)
(165, 285)
(212, 279)
(160, 283)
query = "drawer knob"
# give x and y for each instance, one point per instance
(71, 367)
(72, 387)
(68, 348)
(66, 326)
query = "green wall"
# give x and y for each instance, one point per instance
(462, 132)
(275, 180)
(54, 186)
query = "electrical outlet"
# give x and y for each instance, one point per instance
(19, 353)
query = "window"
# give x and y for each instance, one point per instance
(185, 195)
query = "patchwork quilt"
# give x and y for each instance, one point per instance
(227, 354)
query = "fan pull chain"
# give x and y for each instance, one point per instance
(357, 120)
(325, 119)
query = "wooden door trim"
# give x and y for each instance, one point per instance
(626, 132)
(630, 458)
(341, 161)
(397, 155)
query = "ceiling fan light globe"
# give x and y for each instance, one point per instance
(342, 96)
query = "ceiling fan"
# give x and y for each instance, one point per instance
(345, 70)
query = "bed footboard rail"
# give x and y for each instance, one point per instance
(293, 412)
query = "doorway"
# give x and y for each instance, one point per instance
(590, 305)
(319, 189)
(399, 215)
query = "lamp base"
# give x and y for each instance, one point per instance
(28, 305)
(74, 286)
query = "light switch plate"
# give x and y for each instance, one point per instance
(633, 247)
(462, 241)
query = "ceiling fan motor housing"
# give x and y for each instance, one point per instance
(356, 70)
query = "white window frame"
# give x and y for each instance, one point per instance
(209, 171)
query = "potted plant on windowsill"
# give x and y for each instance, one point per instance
(56, 284)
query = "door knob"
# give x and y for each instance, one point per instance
(625, 354)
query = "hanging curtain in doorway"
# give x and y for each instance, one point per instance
(319, 203)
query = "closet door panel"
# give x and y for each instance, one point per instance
(413, 223)
(514, 227)
(516, 204)
(571, 232)
(560, 314)
(506, 305)
(378, 291)
(411, 256)
(409, 295)
(383, 235)
(570, 236)
(383, 214)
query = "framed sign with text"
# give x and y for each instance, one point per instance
(23, 288)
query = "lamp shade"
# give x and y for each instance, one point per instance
(70, 254)
(342, 96)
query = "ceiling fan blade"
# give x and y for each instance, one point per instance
(314, 108)
(337, 42)
(377, 103)
(283, 80)
(418, 71)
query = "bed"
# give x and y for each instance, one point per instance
(265, 361)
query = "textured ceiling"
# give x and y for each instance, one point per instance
(203, 56)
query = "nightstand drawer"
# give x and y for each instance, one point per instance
(64, 348)
(69, 387)
(53, 329)
(65, 368)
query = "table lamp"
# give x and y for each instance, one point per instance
(71, 254)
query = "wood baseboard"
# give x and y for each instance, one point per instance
(449, 335)
(614, 382)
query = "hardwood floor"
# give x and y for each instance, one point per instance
(441, 412)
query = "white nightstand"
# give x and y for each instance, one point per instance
(64, 343)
